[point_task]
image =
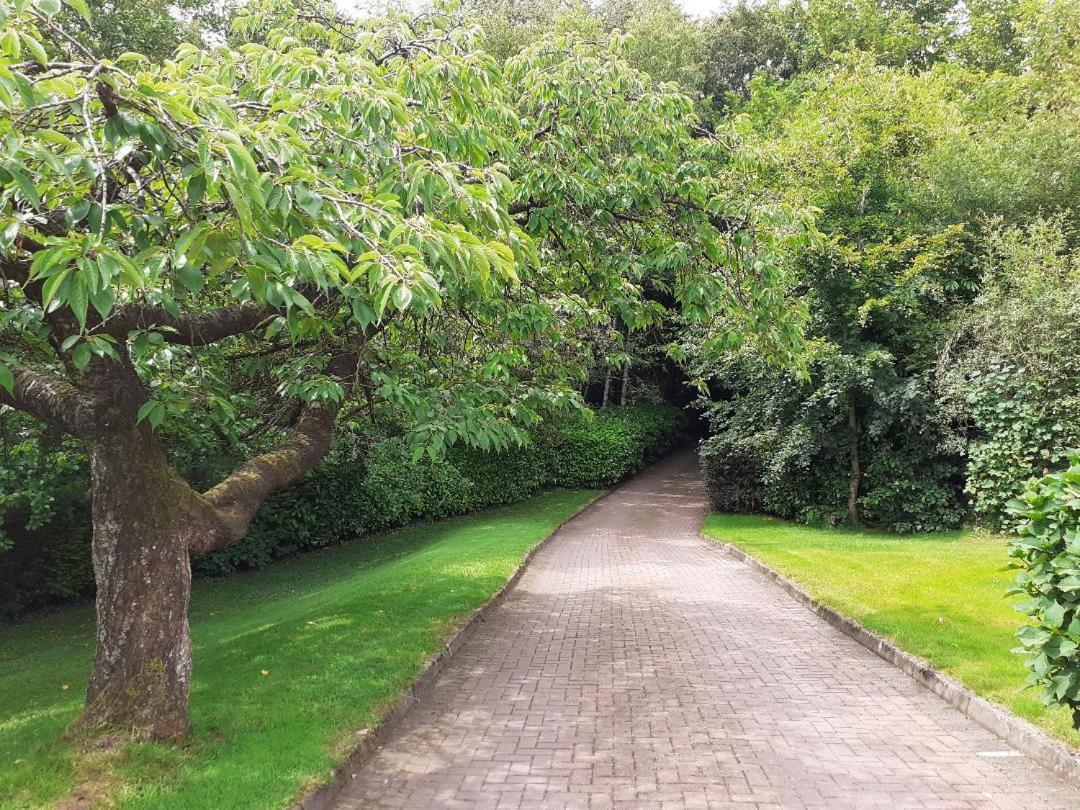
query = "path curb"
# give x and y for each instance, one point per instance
(369, 740)
(1020, 734)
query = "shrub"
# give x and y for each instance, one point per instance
(1011, 377)
(597, 451)
(1047, 552)
(732, 469)
(49, 562)
(782, 445)
(368, 482)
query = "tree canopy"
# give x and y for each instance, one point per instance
(325, 212)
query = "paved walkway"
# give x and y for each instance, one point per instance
(635, 665)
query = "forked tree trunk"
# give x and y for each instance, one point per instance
(144, 518)
(148, 522)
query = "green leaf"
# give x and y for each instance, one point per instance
(103, 301)
(49, 8)
(196, 188)
(310, 202)
(191, 278)
(24, 184)
(81, 356)
(402, 297)
(78, 299)
(152, 411)
(81, 7)
(35, 48)
(7, 379)
(50, 288)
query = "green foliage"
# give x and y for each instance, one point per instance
(1011, 376)
(597, 451)
(783, 445)
(367, 483)
(946, 336)
(488, 208)
(1047, 552)
(154, 28)
(35, 464)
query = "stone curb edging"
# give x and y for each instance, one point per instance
(369, 740)
(1022, 735)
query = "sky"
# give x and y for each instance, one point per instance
(702, 8)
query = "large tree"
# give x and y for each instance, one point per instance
(375, 210)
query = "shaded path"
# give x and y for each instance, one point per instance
(635, 665)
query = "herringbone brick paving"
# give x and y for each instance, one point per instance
(635, 665)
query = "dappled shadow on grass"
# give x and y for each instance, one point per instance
(338, 634)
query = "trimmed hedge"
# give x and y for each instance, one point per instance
(366, 484)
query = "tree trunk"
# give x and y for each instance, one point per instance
(856, 468)
(625, 383)
(144, 518)
(607, 388)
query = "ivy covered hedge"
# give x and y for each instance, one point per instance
(367, 483)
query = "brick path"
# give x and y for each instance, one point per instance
(637, 666)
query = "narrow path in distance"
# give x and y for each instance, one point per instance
(635, 665)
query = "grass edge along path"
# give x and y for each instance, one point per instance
(290, 662)
(938, 596)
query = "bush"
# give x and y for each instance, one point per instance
(1011, 378)
(367, 483)
(48, 562)
(1047, 552)
(615, 443)
(782, 445)
(731, 467)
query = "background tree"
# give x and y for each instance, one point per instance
(907, 165)
(154, 28)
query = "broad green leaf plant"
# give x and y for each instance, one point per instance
(1047, 554)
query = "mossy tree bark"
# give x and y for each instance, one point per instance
(148, 523)
(142, 664)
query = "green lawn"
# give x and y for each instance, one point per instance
(340, 633)
(939, 596)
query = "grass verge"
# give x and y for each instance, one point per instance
(939, 596)
(338, 633)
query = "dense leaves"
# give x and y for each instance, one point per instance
(936, 286)
(1047, 552)
(1011, 374)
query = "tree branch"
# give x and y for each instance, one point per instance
(193, 329)
(235, 500)
(51, 399)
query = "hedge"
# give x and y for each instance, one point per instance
(366, 484)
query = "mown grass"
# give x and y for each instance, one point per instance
(939, 596)
(340, 633)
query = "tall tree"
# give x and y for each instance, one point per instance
(359, 206)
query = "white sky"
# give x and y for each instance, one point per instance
(702, 8)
